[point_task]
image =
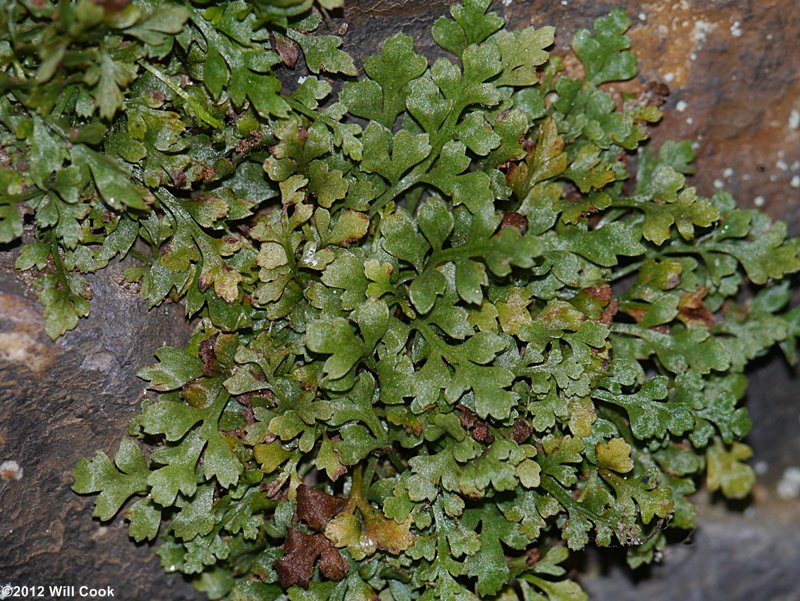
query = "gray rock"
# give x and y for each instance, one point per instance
(62, 401)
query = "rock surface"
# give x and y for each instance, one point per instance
(62, 401)
(731, 557)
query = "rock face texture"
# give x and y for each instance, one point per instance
(63, 401)
(732, 67)
(732, 557)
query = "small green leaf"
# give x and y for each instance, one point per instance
(356, 444)
(559, 453)
(615, 455)
(10, 222)
(65, 297)
(372, 317)
(649, 414)
(563, 590)
(113, 75)
(337, 339)
(435, 221)
(402, 240)
(195, 517)
(112, 182)
(489, 564)
(349, 227)
(383, 97)
(477, 135)
(175, 367)
(145, 520)
(47, 153)
(178, 471)
(346, 273)
(116, 482)
(605, 56)
(425, 288)
(406, 149)
(604, 245)
(522, 51)
(172, 418)
(270, 456)
(328, 460)
(470, 278)
(651, 500)
(471, 25)
(473, 189)
(727, 471)
(322, 53)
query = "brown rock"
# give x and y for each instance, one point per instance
(60, 401)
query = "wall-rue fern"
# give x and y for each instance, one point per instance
(446, 334)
